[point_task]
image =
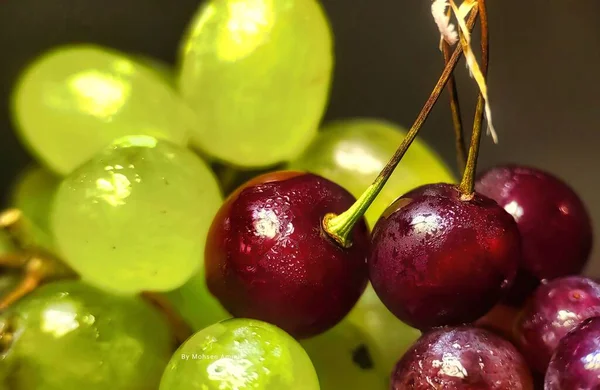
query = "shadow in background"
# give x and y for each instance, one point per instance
(544, 78)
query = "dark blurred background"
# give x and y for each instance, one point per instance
(544, 78)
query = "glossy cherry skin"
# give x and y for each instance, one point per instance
(555, 226)
(555, 309)
(461, 358)
(575, 364)
(438, 260)
(268, 258)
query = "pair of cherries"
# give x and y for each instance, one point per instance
(435, 257)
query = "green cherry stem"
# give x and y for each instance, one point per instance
(339, 227)
(461, 150)
(467, 184)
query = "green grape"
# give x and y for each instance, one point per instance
(136, 216)
(33, 194)
(198, 307)
(5, 245)
(347, 358)
(257, 75)
(75, 100)
(240, 354)
(8, 281)
(70, 336)
(391, 336)
(353, 152)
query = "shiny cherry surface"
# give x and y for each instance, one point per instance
(461, 358)
(267, 257)
(555, 226)
(439, 260)
(555, 309)
(576, 362)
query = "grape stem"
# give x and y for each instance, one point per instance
(179, 328)
(339, 227)
(461, 150)
(467, 184)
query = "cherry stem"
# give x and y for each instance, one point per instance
(180, 329)
(339, 227)
(467, 184)
(461, 150)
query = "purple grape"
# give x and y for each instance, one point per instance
(576, 362)
(461, 358)
(554, 310)
(555, 226)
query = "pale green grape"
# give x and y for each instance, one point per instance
(240, 354)
(5, 245)
(391, 336)
(196, 304)
(257, 75)
(33, 194)
(75, 100)
(347, 358)
(353, 152)
(70, 336)
(136, 216)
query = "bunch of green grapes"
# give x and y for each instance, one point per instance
(136, 216)
(257, 74)
(70, 336)
(240, 354)
(75, 100)
(352, 152)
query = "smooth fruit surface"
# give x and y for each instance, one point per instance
(554, 224)
(267, 257)
(257, 72)
(461, 358)
(73, 101)
(553, 311)
(69, 336)
(352, 152)
(576, 362)
(240, 354)
(439, 260)
(136, 216)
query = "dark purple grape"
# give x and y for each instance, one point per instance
(575, 364)
(554, 310)
(461, 358)
(555, 226)
(439, 260)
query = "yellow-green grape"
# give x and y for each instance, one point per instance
(196, 304)
(352, 153)
(5, 245)
(346, 357)
(391, 336)
(75, 100)
(33, 194)
(240, 354)
(136, 216)
(70, 336)
(257, 74)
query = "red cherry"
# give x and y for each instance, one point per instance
(267, 257)
(439, 260)
(555, 226)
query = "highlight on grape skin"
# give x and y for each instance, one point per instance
(122, 266)
(135, 217)
(74, 100)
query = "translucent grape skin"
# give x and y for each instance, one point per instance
(574, 365)
(461, 358)
(70, 336)
(439, 260)
(267, 258)
(352, 152)
(240, 354)
(347, 358)
(73, 101)
(258, 73)
(554, 310)
(136, 216)
(554, 224)
(33, 194)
